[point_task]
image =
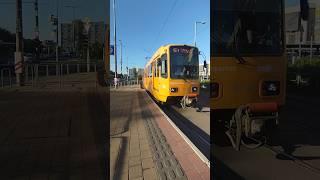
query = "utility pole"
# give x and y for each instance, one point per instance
(120, 56)
(115, 44)
(57, 40)
(195, 31)
(36, 31)
(19, 62)
(127, 69)
(36, 38)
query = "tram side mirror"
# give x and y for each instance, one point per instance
(304, 9)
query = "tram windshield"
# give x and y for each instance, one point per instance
(247, 27)
(184, 62)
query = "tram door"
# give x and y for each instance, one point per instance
(153, 76)
(156, 78)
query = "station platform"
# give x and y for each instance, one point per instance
(58, 129)
(54, 132)
(144, 145)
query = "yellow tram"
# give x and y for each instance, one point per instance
(248, 66)
(172, 74)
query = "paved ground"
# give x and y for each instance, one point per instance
(130, 153)
(53, 133)
(297, 137)
(143, 143)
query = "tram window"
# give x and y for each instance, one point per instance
(150, 71)
(164, 72)
(158, 67)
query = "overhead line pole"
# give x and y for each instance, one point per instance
(36, 9)
(115, 43)
(57, 36)
(19, 62)
(120, 56)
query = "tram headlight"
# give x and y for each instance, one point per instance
(194, 89)
(173, 90)
(214, 90)
(270, 88)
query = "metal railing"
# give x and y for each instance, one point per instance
(123, 83)
(4, 78)
(36, 73)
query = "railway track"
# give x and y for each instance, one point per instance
(197, 136)
(297, 161)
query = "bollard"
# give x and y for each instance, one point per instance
(67, 68)
(78, 68)
(95, 67)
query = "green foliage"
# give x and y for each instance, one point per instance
(7, 36)
(308, 69)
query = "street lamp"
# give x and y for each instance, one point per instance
(195, 30)
(120, 56)
(115, 44)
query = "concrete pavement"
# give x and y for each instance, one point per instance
(143, 143)
(53, 133)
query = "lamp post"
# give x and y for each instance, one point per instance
(195, 30)
(120, 56)
(115, 43)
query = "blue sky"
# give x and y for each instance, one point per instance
(145, 25)
(95, 9)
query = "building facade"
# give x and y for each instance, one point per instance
(72, 34)
(304, 31)
(204, 73)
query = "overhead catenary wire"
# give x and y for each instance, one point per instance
(165, 22)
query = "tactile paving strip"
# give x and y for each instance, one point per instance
(166, 163)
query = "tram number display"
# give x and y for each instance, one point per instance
(181, 50)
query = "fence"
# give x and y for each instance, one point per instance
(35, 73)
(122, 83)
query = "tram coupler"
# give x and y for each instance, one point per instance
(187, 101)
(257, 115)
(248, 122)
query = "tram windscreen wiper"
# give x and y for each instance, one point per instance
(236, 51)
(239, 57)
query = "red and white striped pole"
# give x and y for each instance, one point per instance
(19, 62)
